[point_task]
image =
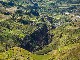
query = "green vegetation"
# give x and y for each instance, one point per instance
(40, 30)
(21, 54)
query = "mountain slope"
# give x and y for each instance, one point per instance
(21, 54)
(39, 29)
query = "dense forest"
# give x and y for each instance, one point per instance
(39, 29)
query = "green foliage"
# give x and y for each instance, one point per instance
(16, 53)
(42, 28)
(63, 36)
(21, 54)
(70, 52)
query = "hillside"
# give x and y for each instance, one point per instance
(17, 53)
(39, 29)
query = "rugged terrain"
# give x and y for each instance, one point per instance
(39, 29)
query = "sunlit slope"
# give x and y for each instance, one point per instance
(70, 52)
(21, 54)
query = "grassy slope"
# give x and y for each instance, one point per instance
(21, 54)
(70, 52)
